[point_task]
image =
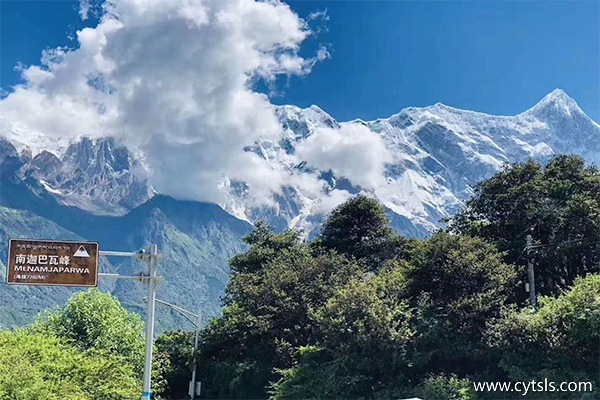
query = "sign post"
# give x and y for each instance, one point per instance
(151, 258)
(53, 263)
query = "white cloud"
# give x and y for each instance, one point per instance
(323, 53)
(90, 7)
(174, 78)
(84, 9)
(321, 14)
(353, 152)
(332, 200)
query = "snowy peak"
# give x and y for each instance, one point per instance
(441, 151)
(97, 175)
(300, 123)
(6, 149)
(99, 156)
(556, 102)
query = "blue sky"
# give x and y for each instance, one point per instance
(496, 57)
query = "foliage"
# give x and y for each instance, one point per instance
(362, 313)
(265, 247)
(33, 367)
(441, 387)
(559, 205)
(380, 334)
(96, 322)
(317, 376)
(173, 355)
(558, 342)
(457, 284)
(360, 229)
(268, 314)
(365, 339)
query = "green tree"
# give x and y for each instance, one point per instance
(559, 342)
(364, 346)
(33, 367)
(360, 229)
(269, 299)
(559, 205)
(442, 387)
(265, 246)
(96, 322)
(173, 356)
(457, 284)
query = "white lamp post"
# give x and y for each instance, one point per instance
(196, 320)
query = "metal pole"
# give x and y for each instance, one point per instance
(193, 382)
(152, 267)
(531, 273)
(120, 254)
(141, 278)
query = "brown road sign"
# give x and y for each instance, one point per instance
(44, 262)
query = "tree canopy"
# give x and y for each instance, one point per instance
(559, 342)
(89, 349)
(96, 322)
(361, 312)
(558, 204)
(34, 366)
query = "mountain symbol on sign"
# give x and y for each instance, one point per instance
(81, 252)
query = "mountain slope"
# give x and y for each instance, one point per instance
(197, 240)
(20, 304)
(440, 153)
(98, 190)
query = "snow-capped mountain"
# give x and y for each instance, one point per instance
(97, 175)
(440, 153)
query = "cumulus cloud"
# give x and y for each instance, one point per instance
(175, 79)
(353, 152)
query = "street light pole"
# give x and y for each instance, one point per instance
(153, 266)
(152, 257)
(197, 321)
(531, 273)
(193, 382)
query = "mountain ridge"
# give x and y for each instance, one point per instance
(102, 176)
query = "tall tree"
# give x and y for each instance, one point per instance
(457, 284)
(35, 366)
(364, 344)
(276, 284)
(559, 205)
(382, 334)
(360, 229)
(173, 356)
